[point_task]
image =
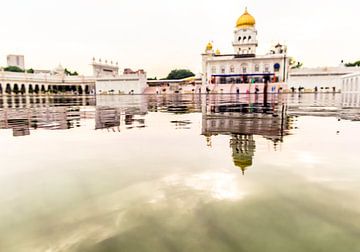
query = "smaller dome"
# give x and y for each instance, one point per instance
(217, 52)
(245, 20)
(209, 47)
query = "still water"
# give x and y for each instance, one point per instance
(179, 173)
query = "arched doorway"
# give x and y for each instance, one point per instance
(8, 89)
(23, 89)
(80, 90)
(1, 90)
(31, 89)
(37, 89)
(87, 90)
(43, 89)
(16, 88)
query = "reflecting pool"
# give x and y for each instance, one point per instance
(179, 173)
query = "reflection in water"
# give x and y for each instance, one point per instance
(243, 148)
(160, 188)
(242, 120)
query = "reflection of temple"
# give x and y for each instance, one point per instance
(242, 120)
(114, 111)
(243, 148)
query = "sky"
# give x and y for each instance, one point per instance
(161, 35)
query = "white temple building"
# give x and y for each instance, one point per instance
(243, 71)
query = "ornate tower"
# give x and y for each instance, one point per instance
(245, 40)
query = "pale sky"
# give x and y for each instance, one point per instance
(160, 35)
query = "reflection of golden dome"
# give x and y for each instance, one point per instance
(209, 47)
(245, 20)
(243, 161)
(217, 52)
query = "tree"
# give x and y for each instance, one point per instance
(67, 72)
(30, 71)
(13, 69)
(356, 63)
(295, 64)
(178, 74)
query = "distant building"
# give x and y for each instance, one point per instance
(16, 60)
(324, 78)
(106, 77)
(243, 71)
(131, 82)
(105, 69)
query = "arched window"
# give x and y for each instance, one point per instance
(244, 68)
(249, 38)
(244, 39)
(222, 69)
(239, 39)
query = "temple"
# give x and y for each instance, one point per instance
(243, 71)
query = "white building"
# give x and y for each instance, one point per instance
(105, 69)
(16, 60)
(129, 82)
(243, 71)
(324, 78)
(351, 90)
(106, 79)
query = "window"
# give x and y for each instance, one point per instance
(257, 68)
(222, 70)
(244, 39)
(267, 68)
(232, 69)
(249, 38)
(244, 68)
(239, 39)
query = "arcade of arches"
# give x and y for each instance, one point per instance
(15, 88)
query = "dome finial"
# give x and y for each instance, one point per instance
(209, 46)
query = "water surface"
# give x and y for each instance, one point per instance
(179, 173)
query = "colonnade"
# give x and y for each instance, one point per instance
(29, 88)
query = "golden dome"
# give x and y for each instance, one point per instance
(217, 52)
(209, 47)
(245, 20)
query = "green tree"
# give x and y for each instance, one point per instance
(30, 71)
(178, 74)
(353, 64)
(295, 64)
(67, 72)
(13, 69)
